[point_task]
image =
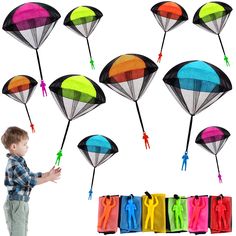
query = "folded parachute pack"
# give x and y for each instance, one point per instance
(156, 213)
(108, 212)
(220, 214)
(177, 214)
(198, 214)
(130, 214)
(153, 213)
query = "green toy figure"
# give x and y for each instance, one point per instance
(178, 212)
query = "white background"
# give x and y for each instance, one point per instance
(126, 27)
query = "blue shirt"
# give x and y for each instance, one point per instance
(19, 180)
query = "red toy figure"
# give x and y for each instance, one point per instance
(220, 214)
(221, 210)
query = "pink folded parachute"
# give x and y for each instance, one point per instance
(198, 214)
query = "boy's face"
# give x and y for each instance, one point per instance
(20, 148)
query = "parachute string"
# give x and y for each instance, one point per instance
(145, 136)
(91, 188)
(59, 154)
(218, 168)
(226, 59)
(185, 156)
(189, 132)
(162, 45)
(31, 124)
(90, 54)
(42, 85)
(64, 138)
(139, 115)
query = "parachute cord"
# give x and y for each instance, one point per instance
(90, 54)
(145, 136)
(218, 168)
(31, 124)
(226, 59)
(91, 188)
(42, 85)
(162, 45)
(59, 154)
(185, 156)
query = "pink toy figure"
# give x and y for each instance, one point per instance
(198, 214)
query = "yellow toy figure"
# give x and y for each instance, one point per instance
(153, 213)
(149, 203)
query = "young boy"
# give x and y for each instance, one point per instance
(19, 180)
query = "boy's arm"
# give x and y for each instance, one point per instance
(52, 175)
(23, 178)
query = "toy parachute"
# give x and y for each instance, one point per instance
(129, 75)
(83, 20)
(196, 85)
(213, 139)
(213, 16)
(75, 95)
(20, 88)
(31, 23)
(168, 15)
(97, 149)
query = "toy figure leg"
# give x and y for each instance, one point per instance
(134, 221)
(146, 221)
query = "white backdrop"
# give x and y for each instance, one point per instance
(126, 27)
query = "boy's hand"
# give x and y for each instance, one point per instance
(54, 174)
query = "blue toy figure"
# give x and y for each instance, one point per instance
(130, 214)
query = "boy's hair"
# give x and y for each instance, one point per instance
(13, 135)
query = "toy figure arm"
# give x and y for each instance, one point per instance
(157, 202)
(203, 204)
(103, 202)
(192, 203)
(114, 203)
(145, 202)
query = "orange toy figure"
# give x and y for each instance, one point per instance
(197, 207)
(108, 204)
(221, 209)
(150, 211)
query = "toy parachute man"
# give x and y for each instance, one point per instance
(31, 23)
(198, 214)
(83, 20)
(213, 16)
(97, 149)
(213, 139)
(168, 15)
(196, 85)
(220, 214)
(129, 75)
(108, 212)
(75, 95)
(130, 214)
(20, 88)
